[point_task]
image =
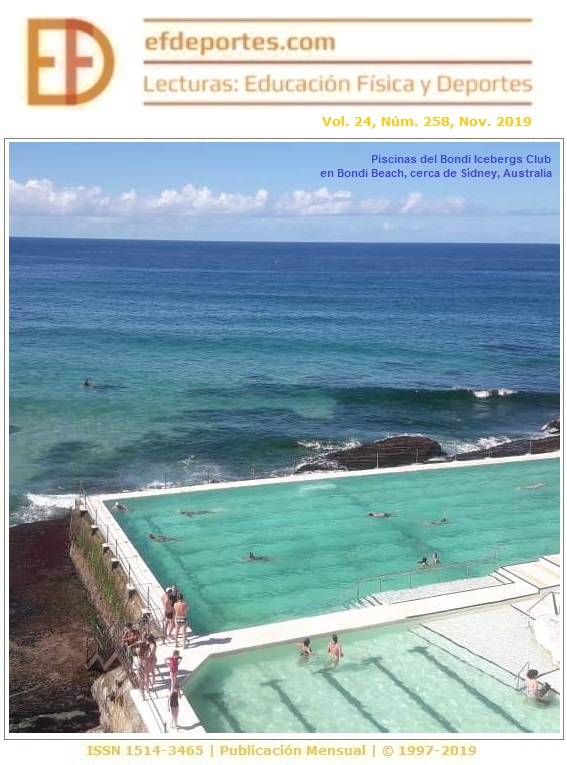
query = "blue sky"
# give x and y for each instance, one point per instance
(275, 191)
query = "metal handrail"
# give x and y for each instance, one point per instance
(114, 633)
(553, 593)
(412, 572)
(142, 588)
(519, 674)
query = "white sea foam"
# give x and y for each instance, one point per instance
(490, 441)
(495, 392)
(325, 446)
(482, 393)
(461, 447)
(41, 507)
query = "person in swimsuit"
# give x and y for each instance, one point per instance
(423, 561)
(143, 649)
(119, 506)
(168, 599)
(160, 538)
(438, 522)
(534, 688)
(130, 638)
(173, 704)
(379, 515)
(174, 661)
(335, 650)
(305, 650)
(151, 661)
(180, 610)
(435, 560)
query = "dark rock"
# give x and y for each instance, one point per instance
(50, 620)
(389, 452)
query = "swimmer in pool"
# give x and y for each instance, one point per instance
(161, 538)
(119, 506)
(379, 515)
(438, 522)
(531, 486)
(191, 513)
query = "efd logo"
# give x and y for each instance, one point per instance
(53, 73)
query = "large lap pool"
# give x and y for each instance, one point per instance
(391, 680)
(321, 542)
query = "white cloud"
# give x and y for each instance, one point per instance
(44, 198)
(189, 200)
(319, 202)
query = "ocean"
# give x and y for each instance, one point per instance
(228, 360)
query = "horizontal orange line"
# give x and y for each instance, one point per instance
(337, 103)
(355, 21)
(267, 62)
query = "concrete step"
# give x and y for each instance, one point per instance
(535, 573)
(553, 559)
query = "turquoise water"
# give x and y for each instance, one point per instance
(392, 680)
(321, 542)
(228, 359)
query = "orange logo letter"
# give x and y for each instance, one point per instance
(73, 62)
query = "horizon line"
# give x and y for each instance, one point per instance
(266, 241)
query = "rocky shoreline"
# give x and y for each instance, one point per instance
(413, 450)
(50, 620)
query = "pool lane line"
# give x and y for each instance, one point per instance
(447, 725)
(353, 701)
(472, 690)
(288, 703)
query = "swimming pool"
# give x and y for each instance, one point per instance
(390, 680)
(321, 542)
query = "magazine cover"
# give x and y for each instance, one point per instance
(282, 354)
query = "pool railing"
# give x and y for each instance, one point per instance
(437, 569)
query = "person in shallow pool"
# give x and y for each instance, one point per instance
(335, 651)
(161, 538)
(379, 515)
(438, 522)
(119, 506)
(305, 650)
(423, 561)
(534, 688)
(191, 513)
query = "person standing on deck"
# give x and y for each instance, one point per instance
(168, 599)
(180, 610)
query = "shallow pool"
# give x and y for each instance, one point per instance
(391, 680)
(321, 542)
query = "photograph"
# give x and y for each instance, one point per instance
(284, 438)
